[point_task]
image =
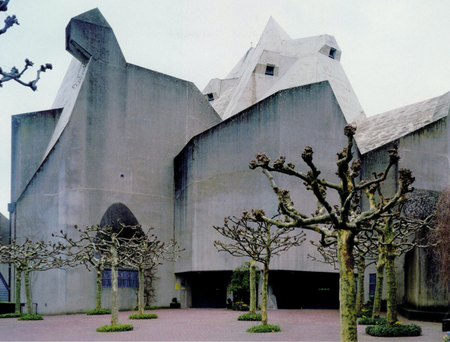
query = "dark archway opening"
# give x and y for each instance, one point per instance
(117, 214)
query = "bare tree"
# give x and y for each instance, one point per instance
(256, 239)
(346, 219)
(14, 73)
(28, 257)
(440, 238)
(86, 252)
(145, 253)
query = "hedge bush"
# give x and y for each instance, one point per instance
(143, 316)
(248, 317)
(372, 321)
(151, 307)
(98, 312)
(30, 318)
(264, 328)
(396, 330)
(115, 328)
(10, 315)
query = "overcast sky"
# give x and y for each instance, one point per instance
(394, 52)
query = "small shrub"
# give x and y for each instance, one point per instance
(396, 330)
(372, 321)
(264, 328)
(240, 306)
(143, 316)
(364, 313)
(115, 328)
(148, 307)
(10, 315)
(98, 312)
(30, 318)
(248, 317)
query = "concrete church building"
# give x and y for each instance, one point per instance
(126, 142)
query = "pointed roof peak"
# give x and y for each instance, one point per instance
(93, 16)
(272, 33)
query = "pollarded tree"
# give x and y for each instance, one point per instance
(396, 236)
(15, 74)
(345, 218)
(86, 252)
(100, 246)
(365, 255)
(28, 257)
(258, 240)
(145, 253)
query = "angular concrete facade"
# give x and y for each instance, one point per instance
(121, 136)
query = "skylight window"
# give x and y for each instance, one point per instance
(332, 53)
(270, 69)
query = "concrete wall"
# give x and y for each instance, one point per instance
(425, 153)
(213, 179)
(126, 126)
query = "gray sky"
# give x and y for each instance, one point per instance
(394, 52)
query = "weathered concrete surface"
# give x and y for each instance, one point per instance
(295, 62)
(213, 179)
(114, 143)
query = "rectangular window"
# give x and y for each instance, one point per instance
(127, 279)
(210, 96)
(332, 53)
(270, 70)
(372, 284)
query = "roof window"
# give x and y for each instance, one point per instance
(270, 69)
(332, 53)
(210, 96)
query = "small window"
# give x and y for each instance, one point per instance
(210, 96)
(372, 284)
(270, 70)
(332, 53)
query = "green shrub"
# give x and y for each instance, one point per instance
(115, 328)
(394, 331)
(151, 307)
(248, 317)
(143, 316)
(10, 315)
(367, 312)
(98, 312)
(264, 328)
(30, 318)
(372, 321)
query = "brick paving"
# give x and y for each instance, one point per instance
(197, 325)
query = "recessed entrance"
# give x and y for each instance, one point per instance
(305, 290)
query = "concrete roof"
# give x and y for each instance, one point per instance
(298, 62)
(378, 130)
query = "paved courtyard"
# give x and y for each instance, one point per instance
(196, 325)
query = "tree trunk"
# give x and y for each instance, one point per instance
(26, 275)
(379, 284)
(252, 287)
(98, 293)
(361, 277)
(18, 286)
(347, 303)
(391, 278)
(141, 291)
(114, 286)
(265, 286)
